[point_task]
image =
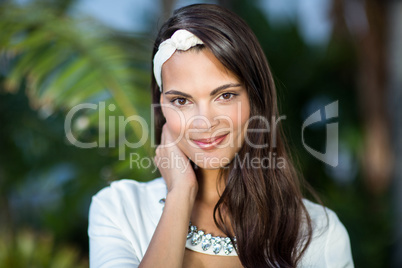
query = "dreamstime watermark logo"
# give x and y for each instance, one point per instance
(227, 124)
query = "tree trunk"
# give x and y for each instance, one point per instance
(368, 31)
(167, 9)
(395, 110)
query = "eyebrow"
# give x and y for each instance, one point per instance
(213, 92)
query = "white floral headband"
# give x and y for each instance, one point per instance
(180, 40)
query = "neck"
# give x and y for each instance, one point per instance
(208, 188)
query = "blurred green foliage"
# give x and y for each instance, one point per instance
(32, 249)
(28, 248)
(51, 61)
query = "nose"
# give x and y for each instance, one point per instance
(203, 119)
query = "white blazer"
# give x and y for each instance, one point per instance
(124, 216)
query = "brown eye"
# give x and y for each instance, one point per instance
(181, 101)
(226, 96)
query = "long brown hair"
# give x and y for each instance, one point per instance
(264, 205)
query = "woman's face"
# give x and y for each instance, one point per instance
(205, 106)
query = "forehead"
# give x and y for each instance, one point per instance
(195, 70)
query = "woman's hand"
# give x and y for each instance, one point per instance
(174, 165)
(167, 245)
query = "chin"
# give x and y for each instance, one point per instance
(211, 160)
(209, 167)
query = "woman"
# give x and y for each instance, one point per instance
(221, 201)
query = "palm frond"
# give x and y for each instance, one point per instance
(63, 62)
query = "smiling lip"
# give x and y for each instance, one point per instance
(210, 143)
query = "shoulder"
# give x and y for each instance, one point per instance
(324, 220)
(126, 184)
(122, 220)
(118, 190)
(330, 245)
(128, 197)
(320, 216)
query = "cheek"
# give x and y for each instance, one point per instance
(239, 115)
(245, 114)
(240, 118)
(174, 121)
